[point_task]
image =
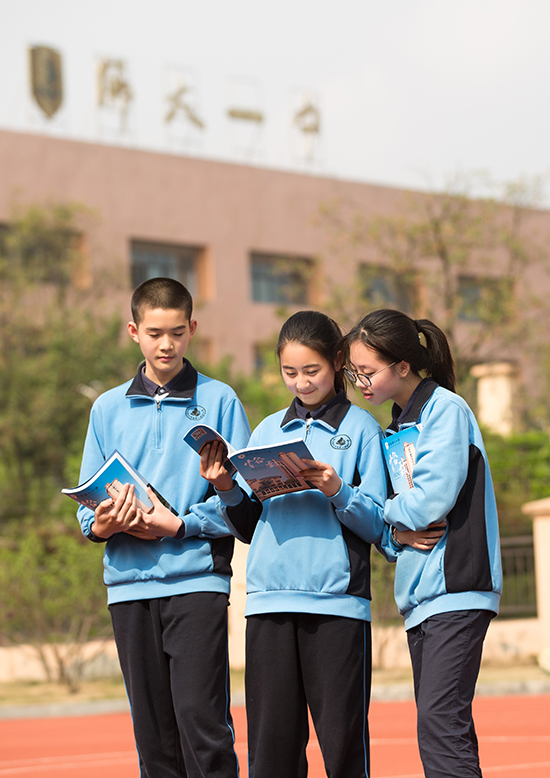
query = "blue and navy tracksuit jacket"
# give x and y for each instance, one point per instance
(310, 553)
(149, 432)
(452, 481)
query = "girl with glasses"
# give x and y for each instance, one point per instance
(308, 637)
(449, 595)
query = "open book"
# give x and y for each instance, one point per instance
(400, 454)
(268, 470)
(109, 480)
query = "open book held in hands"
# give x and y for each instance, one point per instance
(109, 480)
(268, 470)
(400, 454)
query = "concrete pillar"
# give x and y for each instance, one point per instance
(237, 605)
(539, 510)
(495, 387)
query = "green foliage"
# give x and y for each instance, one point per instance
(57, 352)
(520, 467)
(41, 245)
(426, 260)
(51, 593)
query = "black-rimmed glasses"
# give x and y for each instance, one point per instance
(366, 380)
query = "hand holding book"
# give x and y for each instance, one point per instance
(123, 501)
(115, 514)
(324, 477)
(269, 470)
(213, 466)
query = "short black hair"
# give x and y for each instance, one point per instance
(164, 293)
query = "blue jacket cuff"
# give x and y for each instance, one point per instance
(232, 497)
(342, 496)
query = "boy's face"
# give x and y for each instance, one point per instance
(163, 337)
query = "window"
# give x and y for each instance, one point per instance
(482, 298)
(383, 287)
(279, 279)
(46, 253)
(153, 260)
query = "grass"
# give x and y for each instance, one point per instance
(34, 693)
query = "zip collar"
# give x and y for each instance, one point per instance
(412, 410)
(333, 416)
(184, 389)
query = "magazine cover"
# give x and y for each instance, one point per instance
(108, 482)
(268, 470)
(400, 455)
(273, 470)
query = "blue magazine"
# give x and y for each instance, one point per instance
(400, 454)
(268, 470)
(109, 480)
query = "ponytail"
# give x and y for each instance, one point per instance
(442, 366)
(397, 337)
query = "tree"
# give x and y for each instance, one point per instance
(450, 257)
(59, 349)
(57, 346)
(52, 598)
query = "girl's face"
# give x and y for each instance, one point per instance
(307, 375)
(389, 384)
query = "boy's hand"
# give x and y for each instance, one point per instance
(213, 456)
(324, 477)
(160, 522)
(422, 539)
(112, 516)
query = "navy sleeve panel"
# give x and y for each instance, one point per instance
(359, 562)
(467, 565)
(222, 553)
(244, 516)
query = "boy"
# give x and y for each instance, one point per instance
(168, 575)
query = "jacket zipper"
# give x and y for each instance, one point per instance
(308, 425)
(158, 424)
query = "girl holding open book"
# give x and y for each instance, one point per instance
(449, 593)
(308, 638)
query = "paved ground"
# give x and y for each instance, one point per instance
(512, 713)
(514, 734)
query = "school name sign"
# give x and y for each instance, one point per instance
(115, 94)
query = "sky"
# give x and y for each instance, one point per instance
(408, 91)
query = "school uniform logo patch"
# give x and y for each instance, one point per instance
(340, 442)
(195, 413)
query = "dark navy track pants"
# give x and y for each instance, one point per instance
(173, 654)
(446, 655)
(296, 660)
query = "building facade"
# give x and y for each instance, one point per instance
(247, 241)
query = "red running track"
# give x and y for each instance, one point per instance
(514, 737)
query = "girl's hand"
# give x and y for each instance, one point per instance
(160, 522)
(213, 456)
(323, 476)
(422, 539)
